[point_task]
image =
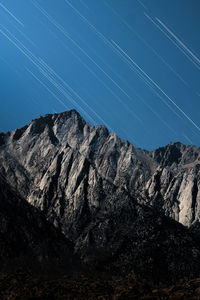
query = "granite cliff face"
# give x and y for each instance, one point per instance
(175, 185)
(118, 204)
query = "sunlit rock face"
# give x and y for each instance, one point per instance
(107, 196)
(175, 184)
(59, 160)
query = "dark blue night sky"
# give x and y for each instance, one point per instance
(129, 64)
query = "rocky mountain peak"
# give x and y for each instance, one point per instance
(166, 156)
(176, 153)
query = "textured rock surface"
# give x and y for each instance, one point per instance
(107, 196)
(175, 185)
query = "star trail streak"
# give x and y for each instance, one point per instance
(156, 85)
(46, 87)
(77, 45)
(11, 14)
(145, 43)
(176, 42)
(196, 59)
(142, 4)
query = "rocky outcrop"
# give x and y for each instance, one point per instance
(118, 204)
(175, 185)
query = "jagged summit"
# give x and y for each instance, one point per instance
(65, 114)
(72, 117)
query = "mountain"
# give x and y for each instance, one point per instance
(126, 210)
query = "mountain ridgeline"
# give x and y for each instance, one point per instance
(77, 194)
